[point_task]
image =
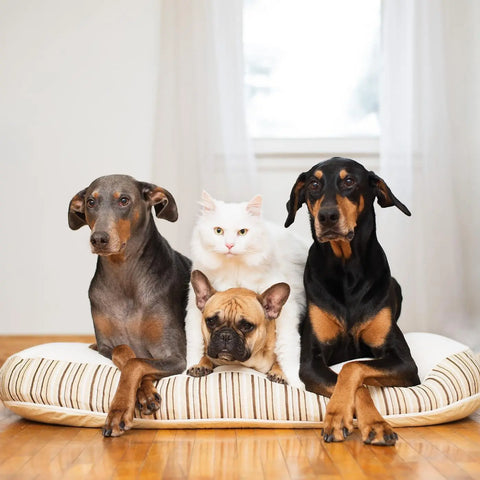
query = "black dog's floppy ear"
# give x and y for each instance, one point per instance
(297, 199)
(202, 288)
(76, 211)
(162, 200)
(385, 197)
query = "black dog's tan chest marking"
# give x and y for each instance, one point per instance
(372, 332)
(326, 326)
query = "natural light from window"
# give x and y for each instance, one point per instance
(312, 68)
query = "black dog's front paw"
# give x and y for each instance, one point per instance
(199, 371)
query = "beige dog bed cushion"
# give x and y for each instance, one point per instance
(70, 384)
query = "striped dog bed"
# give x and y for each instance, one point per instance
(70, 384)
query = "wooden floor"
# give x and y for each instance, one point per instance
(30, 450)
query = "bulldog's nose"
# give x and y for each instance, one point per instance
(99, 239)
(328, 217)
(226, 337)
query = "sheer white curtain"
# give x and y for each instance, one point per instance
(430, 153)
(201, 137)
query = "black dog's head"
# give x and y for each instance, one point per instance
(115, 207)
(337, 192)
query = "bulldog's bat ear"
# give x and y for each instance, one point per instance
(273, 299)
(202, 288)
(297, 198)
(162, 200)
(76, 211)
(385, 197)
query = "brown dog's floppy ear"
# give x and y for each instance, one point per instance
(76, 211)
(297, 199)
(385, 197)
(202, 288)
(273, 299)
(162, 200)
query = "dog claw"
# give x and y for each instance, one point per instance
(107, 432)
(346, 433)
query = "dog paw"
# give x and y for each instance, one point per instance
(199, 371)
(118, 422)
(378, 433)
(148, 399)
(338, 424)
(274, 377)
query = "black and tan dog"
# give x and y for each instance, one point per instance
(139, 291)
(353, 302)
(238, 327)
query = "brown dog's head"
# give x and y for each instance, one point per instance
(237, 323)
(115, 207)
(337, 192)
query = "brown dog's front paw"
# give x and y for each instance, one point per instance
(378, 433)
(199, 371)
(148, 399)
(118, 422)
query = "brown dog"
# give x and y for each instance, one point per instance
(238, 327)
(138, 294)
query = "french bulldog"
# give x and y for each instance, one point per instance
(238, 327)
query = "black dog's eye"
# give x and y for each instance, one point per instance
(91, 202)
(348, 182)
(245, 326)
(123, 201)
(314, 186)
(211, 321)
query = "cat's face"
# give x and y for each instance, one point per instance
(231, 229)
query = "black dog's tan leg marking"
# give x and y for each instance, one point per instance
(202, 368)
(326, 326)
(373, 428)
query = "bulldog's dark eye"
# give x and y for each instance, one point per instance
(123, 201)
(245, 326)
(211, 321)
(91, 202)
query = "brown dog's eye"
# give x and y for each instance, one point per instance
(246, 327)
(90, 202)
(123, 201)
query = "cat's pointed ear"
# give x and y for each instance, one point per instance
(254, 206)
(297, 198)
(273, 299)
(202, 288)
(207, 202)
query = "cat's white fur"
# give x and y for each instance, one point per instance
(264, 255)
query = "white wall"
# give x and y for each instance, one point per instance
(77, 97)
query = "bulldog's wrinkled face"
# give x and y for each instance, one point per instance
(237, 323)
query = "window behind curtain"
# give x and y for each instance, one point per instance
(312, 67)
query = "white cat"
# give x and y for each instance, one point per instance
(235, 247)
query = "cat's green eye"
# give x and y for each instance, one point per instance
(218, 230)
(243, 232)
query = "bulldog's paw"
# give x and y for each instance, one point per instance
(199, 371)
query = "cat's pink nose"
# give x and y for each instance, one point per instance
(229, 245)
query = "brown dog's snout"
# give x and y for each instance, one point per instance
(99, 240)
(328, 217)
